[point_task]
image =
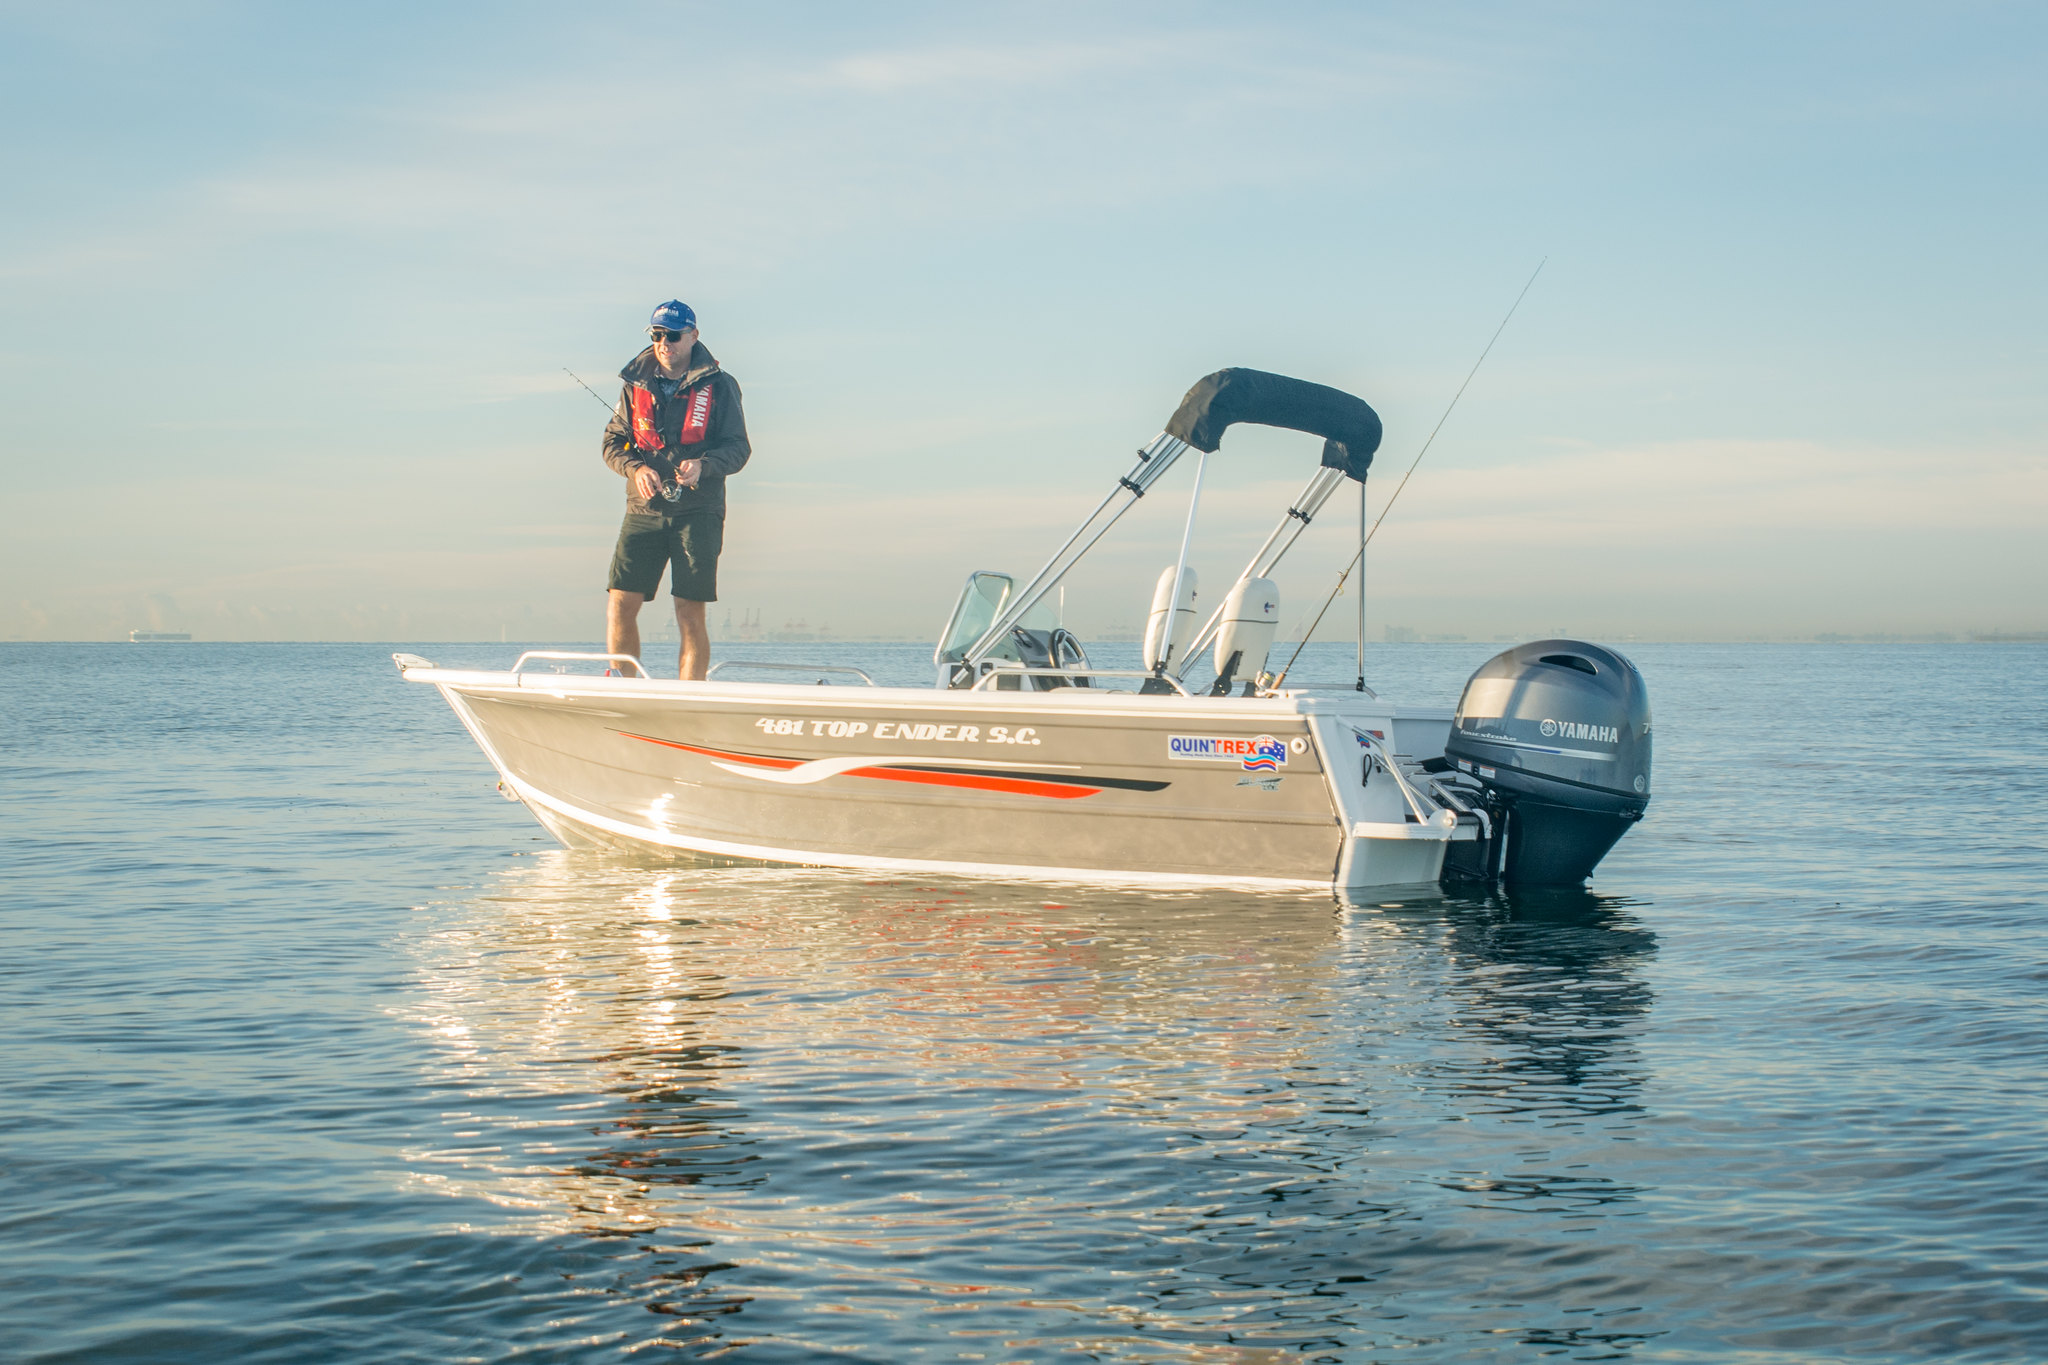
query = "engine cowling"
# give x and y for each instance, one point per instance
(1558, 733)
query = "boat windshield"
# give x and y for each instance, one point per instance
(980, 600)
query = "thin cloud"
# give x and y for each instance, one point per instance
(1689, 492)
(975, 68)
(965, 136)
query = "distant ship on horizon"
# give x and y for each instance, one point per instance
(153, 637)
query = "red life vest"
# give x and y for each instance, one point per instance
(644, 434)
(696, 418)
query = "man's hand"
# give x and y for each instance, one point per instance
(647, 483)
(688, 472)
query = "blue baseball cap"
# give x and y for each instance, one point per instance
(675, 315)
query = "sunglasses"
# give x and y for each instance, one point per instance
(664, 334)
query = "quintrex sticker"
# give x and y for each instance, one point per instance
(1263, 754)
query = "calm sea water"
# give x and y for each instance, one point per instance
(312, 1048)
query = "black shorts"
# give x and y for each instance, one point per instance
(650, 541)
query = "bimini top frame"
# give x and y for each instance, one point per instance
(1351, 433)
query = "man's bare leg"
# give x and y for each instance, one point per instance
(695, 655)
(622, 622)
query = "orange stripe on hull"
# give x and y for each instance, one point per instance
(1021, 786)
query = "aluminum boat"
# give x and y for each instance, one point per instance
(1024, 761)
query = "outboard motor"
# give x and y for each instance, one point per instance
(1558, 734)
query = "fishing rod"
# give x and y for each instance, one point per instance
(1366, 539)
(587, 389)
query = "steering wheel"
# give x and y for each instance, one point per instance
(1066, 652)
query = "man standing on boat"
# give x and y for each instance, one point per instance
(676, 434)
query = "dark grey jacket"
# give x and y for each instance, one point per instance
(655, 432)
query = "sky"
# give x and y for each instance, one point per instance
(288, 293)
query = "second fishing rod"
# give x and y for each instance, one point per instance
(1367, 532)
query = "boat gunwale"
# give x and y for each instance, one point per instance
(1290, 705)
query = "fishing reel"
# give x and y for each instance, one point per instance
(673, 488)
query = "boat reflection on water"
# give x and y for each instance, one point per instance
(818, 1109)
(1549, 977)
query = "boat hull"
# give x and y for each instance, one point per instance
(1073, 784)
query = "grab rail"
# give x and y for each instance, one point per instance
(1393, 770)
(994, 669)
(520, 662)
(789, 668)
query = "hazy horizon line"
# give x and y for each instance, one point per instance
(1823, 638)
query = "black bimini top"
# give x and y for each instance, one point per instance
(1350, 429)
